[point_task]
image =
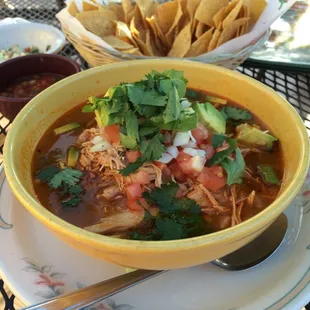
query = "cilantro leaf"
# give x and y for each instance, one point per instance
(131, 122)
(188, 120)
(71, 202)
(173, 108)
(67, 177)
(218, 139)
(177, 218)
(220, 156)
(46, 174)
(169, 229)
(235, 168)
(128, 142)
(132, 167)
(236, 114)
(268, 174)
(153, 150)
(76, 190)
(89, 108)
(146, 131)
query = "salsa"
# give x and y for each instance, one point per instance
(29, 86)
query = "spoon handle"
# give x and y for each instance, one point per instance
(94, 293)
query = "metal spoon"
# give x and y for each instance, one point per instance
(248, 256)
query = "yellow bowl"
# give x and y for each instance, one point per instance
(43, 110)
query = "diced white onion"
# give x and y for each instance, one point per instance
(190, 144)
(185, 104)
(100, 147)
(189, 151)
(198, 163)
(192, 137)
(201, 153)
(97, 139)
(181, 138)
(165, 158)
(173, 151)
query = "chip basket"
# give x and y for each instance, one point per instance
(96, 55)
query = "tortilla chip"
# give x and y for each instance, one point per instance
(89, 6)
(245, 27)
(157, 31)
(97, 23)
(165, 14)
(200, 29)
(123, 32)
(172, 33)
(191, 7)
(117, 43)
(182, 43)
(134, 51)
(142, 46)
(229, 32)
(116, 8)
(137, 25)
(256, 8)
(191, 10)
(220, 16)
(128, 9)
(207, 9)
(72, 8)
(233, 14)
(146, 7)
(200, 46)
(215, 37)
(151, 43)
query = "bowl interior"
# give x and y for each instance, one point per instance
(46, 38)
(35, 118)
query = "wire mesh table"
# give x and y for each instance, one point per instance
(293, 85)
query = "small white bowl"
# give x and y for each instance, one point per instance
(47, 39)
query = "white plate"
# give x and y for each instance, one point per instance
(27, 34)
(36, 265)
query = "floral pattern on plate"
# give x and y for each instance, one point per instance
(54, 285)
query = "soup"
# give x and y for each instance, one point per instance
(154, 160)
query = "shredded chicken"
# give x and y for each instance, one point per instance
(251, 198)
(247, 151)
(234, 219)
(154, 172)
(109, 193)
(205, 199)
(118, 222)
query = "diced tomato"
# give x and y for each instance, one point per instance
(140, 177)
(163, 167)
(133, 191)
(134, 206)
(132, 156)
(200, 134)
(209, 139)
(177, 172)
(190, 165)
(212, 178)
(183, 157)
(209, 149)
(111, 133)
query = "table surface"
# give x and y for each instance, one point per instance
(292, 82)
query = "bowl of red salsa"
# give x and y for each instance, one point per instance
(24, 77)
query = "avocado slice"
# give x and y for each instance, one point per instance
(250, 135)
(210, 117)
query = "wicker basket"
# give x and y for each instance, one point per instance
(97, 56)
